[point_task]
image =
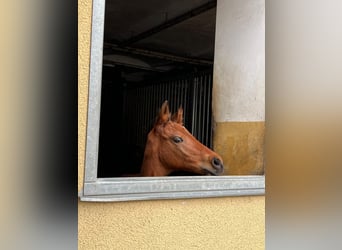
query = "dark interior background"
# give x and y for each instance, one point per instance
(153, 51)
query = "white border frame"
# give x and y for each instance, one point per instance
(143, 188)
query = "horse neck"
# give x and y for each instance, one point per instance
(151, 166)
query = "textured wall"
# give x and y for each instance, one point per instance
(239, 66)
(241, 145)
(239, 85)
(215, 223)
(84, 27)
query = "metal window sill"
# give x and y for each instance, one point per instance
(182, 187)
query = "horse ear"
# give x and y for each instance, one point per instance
(164, 113)
(178, 116)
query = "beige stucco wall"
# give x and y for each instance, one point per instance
(215, 223)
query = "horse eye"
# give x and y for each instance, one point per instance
(177, 139)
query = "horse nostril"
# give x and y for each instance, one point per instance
(217, 164)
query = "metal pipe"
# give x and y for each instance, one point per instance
(159, 55)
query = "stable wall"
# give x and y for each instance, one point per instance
(213, 223)
(239, 85)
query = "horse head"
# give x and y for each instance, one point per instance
(171, 147)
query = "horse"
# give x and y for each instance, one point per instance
(170, 147)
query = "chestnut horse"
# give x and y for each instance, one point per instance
(171, 147)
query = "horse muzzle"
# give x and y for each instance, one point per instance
(216, 168)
